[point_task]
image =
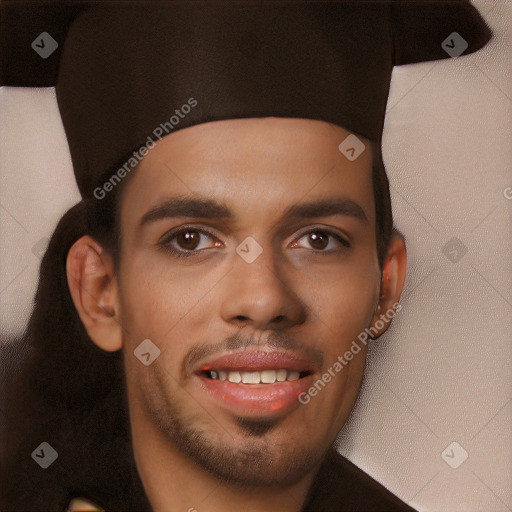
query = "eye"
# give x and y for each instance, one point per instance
(188, 241)
(321, 240)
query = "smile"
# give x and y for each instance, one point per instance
(255, 377)
(256, 383)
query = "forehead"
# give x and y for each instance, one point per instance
(257, 166)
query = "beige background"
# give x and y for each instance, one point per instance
(442, 373)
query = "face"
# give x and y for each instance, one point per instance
(248, 253)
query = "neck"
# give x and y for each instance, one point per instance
(174, 483)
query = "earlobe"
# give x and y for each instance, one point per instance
(392, 283)
(93, 287)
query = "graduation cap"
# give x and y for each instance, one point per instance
(127, 73)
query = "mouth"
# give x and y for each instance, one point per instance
(255, 377)
(253, 384)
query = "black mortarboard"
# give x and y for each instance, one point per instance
(122, 69)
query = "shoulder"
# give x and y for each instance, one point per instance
(340, 485)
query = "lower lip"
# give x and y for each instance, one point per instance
(268, 398)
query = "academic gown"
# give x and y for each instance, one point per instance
(339, 486)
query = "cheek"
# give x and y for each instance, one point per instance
(160, 303)
(342, 303)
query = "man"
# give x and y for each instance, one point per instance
(239, 256)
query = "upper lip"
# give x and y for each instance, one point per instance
(256, 361)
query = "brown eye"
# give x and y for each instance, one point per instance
(322, 241)
(318, 240)
(188, 240)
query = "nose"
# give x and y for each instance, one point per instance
(260, 295)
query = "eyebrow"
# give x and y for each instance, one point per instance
(187, 207)
(209, 208)
(325, 208)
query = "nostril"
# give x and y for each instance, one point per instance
(242, 318)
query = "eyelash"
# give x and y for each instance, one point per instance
(165, 240)
(343, 241)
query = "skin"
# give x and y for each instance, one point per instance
(312, 299)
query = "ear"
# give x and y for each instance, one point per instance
(93, 286)
(392, 283)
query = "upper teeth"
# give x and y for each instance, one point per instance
(263, 377)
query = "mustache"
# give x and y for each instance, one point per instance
(239, 342)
